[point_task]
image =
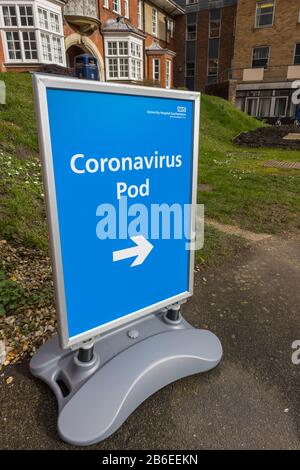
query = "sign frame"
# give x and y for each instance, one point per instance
(42, 82)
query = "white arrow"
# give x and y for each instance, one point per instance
(140, 251)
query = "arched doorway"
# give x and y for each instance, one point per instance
(77, 44)
(72, 52)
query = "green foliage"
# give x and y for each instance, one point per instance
(12, 295)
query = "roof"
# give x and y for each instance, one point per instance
(205, 4)
(171, 7)
(155, 47)
(119, 25)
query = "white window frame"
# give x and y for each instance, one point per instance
(156, 60)
(296, 55)
(256, 14)
(134, 56)
(117, 6)
(170, 27)
(269, 54)
(35, 5)
(106, 4)
(126, 8)
(154, 22)
(140, 14)
(168, 73)
(187, 32)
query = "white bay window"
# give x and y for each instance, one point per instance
(32, 32)
(124, 58)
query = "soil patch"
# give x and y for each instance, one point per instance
(273, 136)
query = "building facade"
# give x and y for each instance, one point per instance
(204, 44)
(267, 57)
(133, 40)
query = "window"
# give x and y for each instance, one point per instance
(57, 49)
(191, 2)
(156, 69)
(154, 21)
(43, 18)
(126, 8)
(280, 106)
(297, 55)
(212, 70)
(38, 38)
(190, 69)
(215, 23)
(54, 22)
(140, 14)
(264, 14)
(13, 45)
(170, 27)
(46, 47)
(9, 16)
(117, 6)
(123, 59)
(191, 32)
(168, 74)
(26, 15)
(29, 44)
(105, 4)
(260, 57)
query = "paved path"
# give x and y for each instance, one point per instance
(250, 401)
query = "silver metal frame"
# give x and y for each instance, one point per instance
(43, 81)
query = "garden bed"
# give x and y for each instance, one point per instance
(272, 137)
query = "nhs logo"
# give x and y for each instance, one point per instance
(181, 109)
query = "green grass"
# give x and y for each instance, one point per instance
(219, 247)
(243, 192)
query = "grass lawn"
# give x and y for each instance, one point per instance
(243, 193)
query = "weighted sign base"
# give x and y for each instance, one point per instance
(129, 364)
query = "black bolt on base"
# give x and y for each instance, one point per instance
(173, 314)
(85, 354)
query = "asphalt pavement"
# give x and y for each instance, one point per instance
(250, 401)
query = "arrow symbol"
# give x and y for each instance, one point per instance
(140, 251)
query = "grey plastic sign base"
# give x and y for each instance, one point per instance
(129, 364)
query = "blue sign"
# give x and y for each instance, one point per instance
(116, 160)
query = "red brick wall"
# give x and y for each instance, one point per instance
(163, 59)
(201, 50)
(2, 67)
(227, 41)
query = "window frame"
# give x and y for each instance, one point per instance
(118, 3)
(35, 28)
(135, 59)
(154, 22)
(156, 59)
(126, 9)
(268, 61)
(106, 4)
(186, 68)
(140, 13)
(168, 73)
(256, 25)
(187, 32)
(296, 55)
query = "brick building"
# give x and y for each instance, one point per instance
(133, 40)
(267, 56)
(204, 43)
